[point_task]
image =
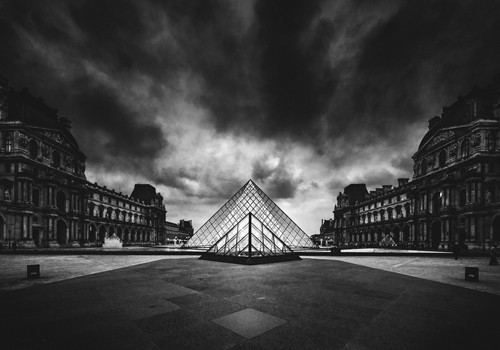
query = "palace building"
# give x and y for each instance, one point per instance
(455, 191)
(45, 198)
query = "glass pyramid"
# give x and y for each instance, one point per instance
(250, 238)
(249, 209)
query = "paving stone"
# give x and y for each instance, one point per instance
(249, 322)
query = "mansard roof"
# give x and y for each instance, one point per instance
(36, 115)
(459, 113)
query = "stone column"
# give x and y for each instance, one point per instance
(467, 193)
(472, 235)
(479, 195)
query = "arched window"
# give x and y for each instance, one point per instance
(56, 159)
(423, 167)
(436, 202)
(491, 141)
(35, 193)
(443, 156)
(464, 148)
(91, 209)
(389, 214)
(8, 143)
(61, 201)
(33, 149)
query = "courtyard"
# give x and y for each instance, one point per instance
(156, 302)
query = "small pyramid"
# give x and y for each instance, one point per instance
(250, 238)
(249, 215)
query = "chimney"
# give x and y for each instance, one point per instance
(402, 181)
(387, 188)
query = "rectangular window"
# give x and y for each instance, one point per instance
(463, 197)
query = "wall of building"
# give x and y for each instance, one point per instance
(455, 191)
(45, 199)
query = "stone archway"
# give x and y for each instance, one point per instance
(111, 231)
(92, 233)
(435, 234)
(36, 236)
(61, 231)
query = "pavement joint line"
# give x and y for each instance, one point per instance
(373, 320)
(405, 262)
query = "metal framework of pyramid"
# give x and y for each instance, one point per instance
(249, 225)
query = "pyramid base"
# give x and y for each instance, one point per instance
(243, 260)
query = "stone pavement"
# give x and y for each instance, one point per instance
(193, 304)
(61, 267)
(445, 270)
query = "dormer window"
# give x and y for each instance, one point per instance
(464, 148)
(33, 149)
(491, 142)
(8, 143)
(56, 159)
(423, 167)
(472, 108)
(442, 158)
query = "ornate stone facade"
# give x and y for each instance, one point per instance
(455, 191)
(45, 199)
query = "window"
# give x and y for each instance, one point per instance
(490, 194)
(443, 156)
(8, 143)
(491, 141)
(463, 197)
(423, 168)
(464, 148)
(56, 159)
(33, 149)
(36, 197)
(436, 202)
(472, 109)
(61, 201)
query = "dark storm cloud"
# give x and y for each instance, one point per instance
(276, 179)
(218, 185)
(352, 78)
(297, 81)
(412, 63)
(130, 139)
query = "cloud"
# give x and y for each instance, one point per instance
(276, 177)
(196, 97)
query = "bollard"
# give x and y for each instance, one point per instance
(33, 271)
(472, 274)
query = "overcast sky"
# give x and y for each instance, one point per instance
(197, 97)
